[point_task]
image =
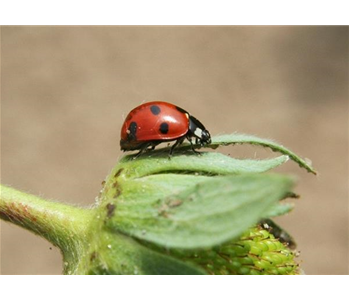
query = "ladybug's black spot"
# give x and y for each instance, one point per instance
(155, 109)
(164, 128)
(181, 110)
(132, 130)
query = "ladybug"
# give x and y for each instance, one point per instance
(152, 123)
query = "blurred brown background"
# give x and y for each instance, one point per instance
(65, 91)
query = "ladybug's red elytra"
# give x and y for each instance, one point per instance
(152, 123)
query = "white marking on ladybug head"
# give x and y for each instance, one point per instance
(198, 132)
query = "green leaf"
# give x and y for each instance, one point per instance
(155, 176)
(230, 139)
(279, 209)
(207, 214)
(209, 163)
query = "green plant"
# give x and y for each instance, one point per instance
(207, 214)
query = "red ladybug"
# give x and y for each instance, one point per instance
(157, 122)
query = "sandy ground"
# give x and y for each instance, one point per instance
(66, 90)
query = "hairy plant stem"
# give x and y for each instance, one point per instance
(46, 218)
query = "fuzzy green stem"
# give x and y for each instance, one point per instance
(58, 223)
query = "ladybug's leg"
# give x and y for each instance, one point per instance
(192, 146)
(150, 147)
(178, 142)
(142, 149)
(153, 145)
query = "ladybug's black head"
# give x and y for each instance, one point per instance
(199, 131)
(205, 137)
